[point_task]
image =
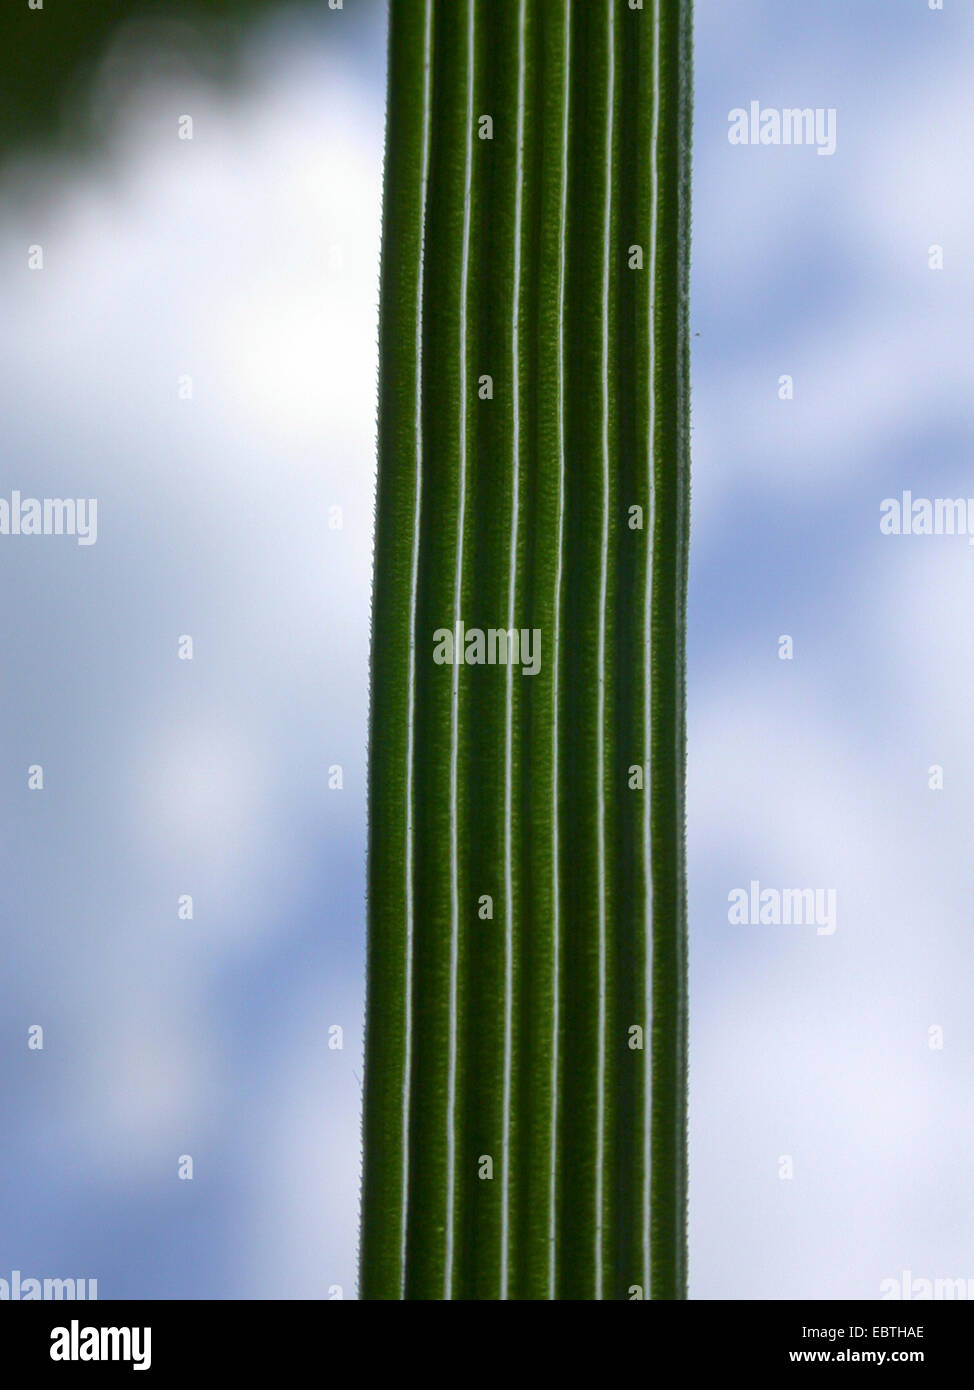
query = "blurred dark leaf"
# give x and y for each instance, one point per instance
(47, 56)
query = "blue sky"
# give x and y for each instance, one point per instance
(815, 771)
(248, 258)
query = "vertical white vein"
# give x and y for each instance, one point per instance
(648, 662)
(603, 585)
(681, 521)
(413, 593)
(451, 1084)
(555, 695)
(509, 708)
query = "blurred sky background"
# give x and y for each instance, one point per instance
(248, 259)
